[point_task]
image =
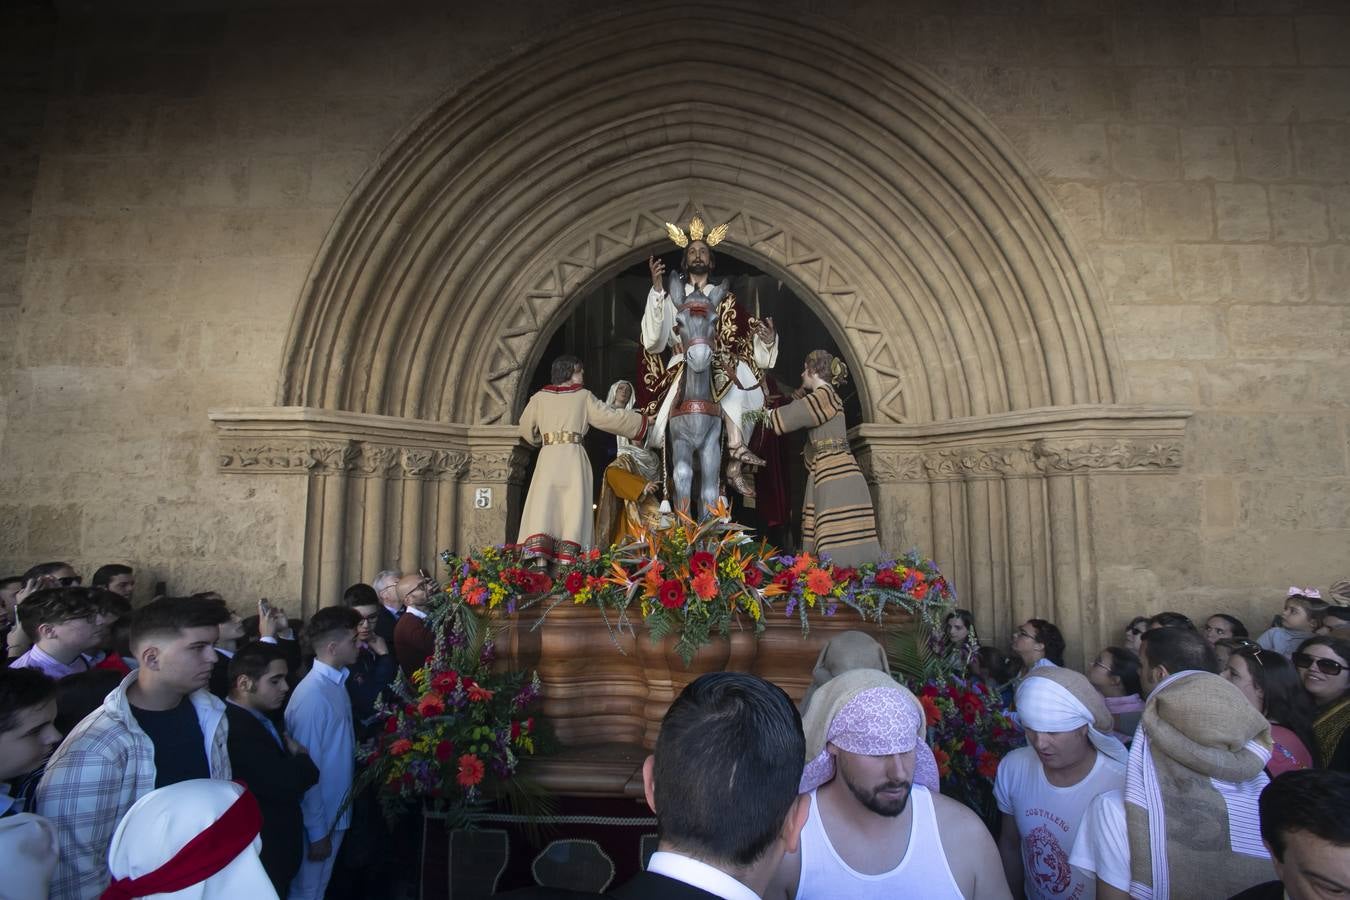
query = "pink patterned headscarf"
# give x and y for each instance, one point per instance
(864, 711)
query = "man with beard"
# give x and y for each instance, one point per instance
(743, 347)
(877, 825)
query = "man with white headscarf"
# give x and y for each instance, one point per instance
(877, 827)
(1044, 788)
(194, 840)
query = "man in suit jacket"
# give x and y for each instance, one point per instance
(385, 586)
(276, 769)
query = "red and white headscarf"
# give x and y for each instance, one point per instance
(867, 712)
(195, 840)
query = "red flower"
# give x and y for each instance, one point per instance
(944, 762)
(845, 576)
(705, 584)
(471, 770)
(390, 725)
(537, 583)
(968, 746)
(515, 731)
(928, 690)
(931, 713)
(593, 554)
(410, 710)
(819, 581)
(702, 561)
(671, 594)
(785, 579)
(400, 747)
(594, 582)
(887, 578)
(444, 750)
(432, 704)
(987, 764)
(920, 590)
(477, 692)
(574, 583)
(753, 576)
(444, 682)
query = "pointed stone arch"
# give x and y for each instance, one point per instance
(929, 246)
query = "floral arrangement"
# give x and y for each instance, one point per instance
(970, 732)
(699, 580)
(455, 733)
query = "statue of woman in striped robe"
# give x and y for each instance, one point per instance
(837, 517)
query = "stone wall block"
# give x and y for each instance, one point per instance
(1082, 205)
(1307, 332)
(1220, 503)
(1322, 40)
(1274, 386)
(1333, 384)
(1215, 96)
(333, 175)
(1320, 504)
(1242, 559)
(1248, 41)
(1170, 332)
(1145, 152)
(185, 181)
(1156, 41)
(1123, 211)
(1207, 152)
(1265, 152)
(1213, 273)
(278, 181)
(1298, 213)
(1163, 382)
(1074, 93)
(1297, 95)
(14, 530)
(1151, 95)
(1267, 444)
(1241, 212)
(1137, 273)
(1338, 207)
(1181, 211)
(117, 287)
(1064, 151)
(1322, 150)
(1331, 273)
(54, 530)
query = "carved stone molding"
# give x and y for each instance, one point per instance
(265, 459)
(499, 466)
(1031, 442)
(1072, 456)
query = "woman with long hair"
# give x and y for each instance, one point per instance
(1271, 684)
(1323, 662)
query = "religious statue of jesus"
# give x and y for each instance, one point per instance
(744, 346)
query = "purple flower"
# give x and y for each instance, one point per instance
(791, 605)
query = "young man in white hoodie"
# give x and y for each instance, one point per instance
(159, 727)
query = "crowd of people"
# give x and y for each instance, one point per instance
(1186, 761)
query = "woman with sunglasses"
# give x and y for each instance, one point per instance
(1272, 686)
(1324, 664)
(1115, 675)
(1134, 631)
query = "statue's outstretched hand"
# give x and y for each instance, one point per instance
(658, 269)
(765, 331)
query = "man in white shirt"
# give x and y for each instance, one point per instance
(723, 785)
(319, 717)
(876, 825)
(1044, 788)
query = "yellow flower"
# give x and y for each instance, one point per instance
(582, 595)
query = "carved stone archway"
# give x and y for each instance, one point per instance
(893, 205)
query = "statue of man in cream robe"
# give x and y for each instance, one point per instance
(744, 347)
(557, 523)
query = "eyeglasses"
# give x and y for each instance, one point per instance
(1325, 666)
(1022, 633)
(68, 581)
(1098, 664)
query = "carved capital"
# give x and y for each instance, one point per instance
(451, 464)
(377, 460)
(498, 465)
(1087, 454)
(887, 468)
(332, 457)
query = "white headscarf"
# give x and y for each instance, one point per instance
(160, 824)
(647, 462)
(1055, 699)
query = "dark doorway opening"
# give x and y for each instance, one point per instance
(604, 330)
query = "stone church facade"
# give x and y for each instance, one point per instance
(273, 279)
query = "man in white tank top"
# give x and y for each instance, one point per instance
(877, 827)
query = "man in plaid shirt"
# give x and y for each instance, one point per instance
(160, 726)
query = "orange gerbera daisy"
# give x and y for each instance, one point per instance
(818, 581)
